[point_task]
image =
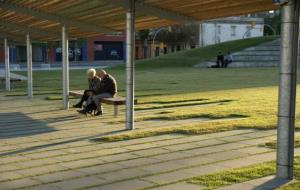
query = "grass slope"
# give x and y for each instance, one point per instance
(188, 58)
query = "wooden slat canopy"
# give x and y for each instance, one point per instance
(43, 18)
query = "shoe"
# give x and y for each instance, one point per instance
(82, 112)
(98, 113)
(77, 106)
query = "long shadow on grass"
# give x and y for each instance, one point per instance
(185, 104)
(174, 101)
(196, 116)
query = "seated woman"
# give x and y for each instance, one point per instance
(94, 84)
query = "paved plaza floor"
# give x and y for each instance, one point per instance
(46, 148)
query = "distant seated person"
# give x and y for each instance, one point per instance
(228, 60)
(220, 60)
(94, 84)
(108, 89)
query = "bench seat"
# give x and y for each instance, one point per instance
(115, 101)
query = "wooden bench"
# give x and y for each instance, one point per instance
(115, 101)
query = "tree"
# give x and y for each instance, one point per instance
(179, 34)
(274, 22)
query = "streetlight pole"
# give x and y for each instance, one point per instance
(156, 33)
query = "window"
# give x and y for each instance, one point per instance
(233, 31)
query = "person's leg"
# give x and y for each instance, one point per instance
(228, 62)
(97, 99)
(84, 97)
(225, 63)
(218, 64)
(88, 100)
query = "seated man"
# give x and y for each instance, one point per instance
(228, 59)
(94, 84)
(220, 60)
(108, 89)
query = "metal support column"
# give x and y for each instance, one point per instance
(29, 66)
(7, 68)
(287, 89)
(65, 66)
(130, 47)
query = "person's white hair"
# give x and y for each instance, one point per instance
(91, 72)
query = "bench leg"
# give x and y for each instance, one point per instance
(115, 110)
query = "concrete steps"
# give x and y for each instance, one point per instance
(263, 55)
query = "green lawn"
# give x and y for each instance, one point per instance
(247, 95)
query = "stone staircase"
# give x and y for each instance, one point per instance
(263, 55)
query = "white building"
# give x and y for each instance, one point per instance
(231, 28)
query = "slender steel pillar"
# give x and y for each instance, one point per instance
(130, 46)
(287, 89)
(29, 66)
(7, 68)
(65, 66)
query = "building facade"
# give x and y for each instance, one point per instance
(92, 49)
(231, 28)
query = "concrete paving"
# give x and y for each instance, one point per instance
(45, 147)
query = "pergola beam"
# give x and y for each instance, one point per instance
(154, 11)
(52, 17)
(26, 29)
(11, 37)
(221, 12)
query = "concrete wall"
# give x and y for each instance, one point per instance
(217, 32)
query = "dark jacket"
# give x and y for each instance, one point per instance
(94, 84)
(107, 85)
(220, 57)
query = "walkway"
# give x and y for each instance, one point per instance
(44, 147)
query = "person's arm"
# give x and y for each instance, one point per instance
(90, 84)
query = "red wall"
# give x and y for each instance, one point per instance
(103, 38)
(51, 56)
